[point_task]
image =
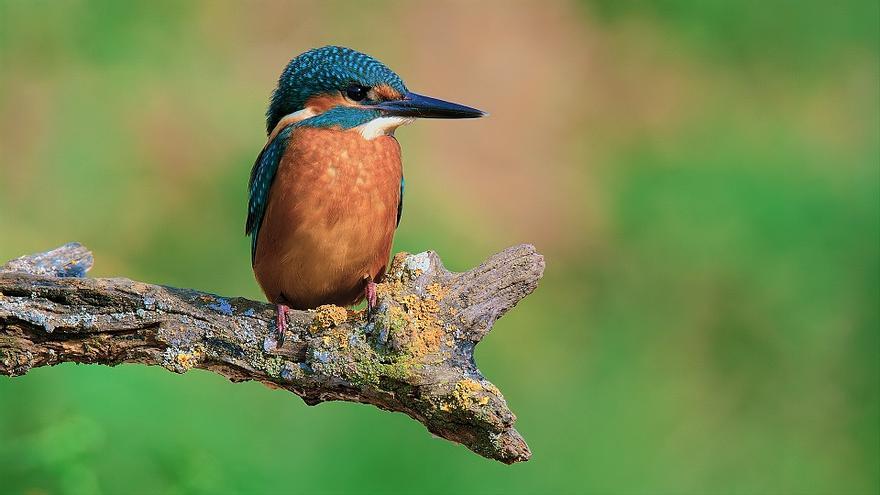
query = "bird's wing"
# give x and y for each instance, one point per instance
(262, 176)
(400, 202)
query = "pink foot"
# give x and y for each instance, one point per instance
(280, 323)
(372, 299)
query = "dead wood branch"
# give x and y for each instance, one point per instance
(415, 355)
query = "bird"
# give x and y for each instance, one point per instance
(325, 194)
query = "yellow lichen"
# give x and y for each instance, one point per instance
(398, 260)
(409, 300)
(412, 323)
(429, 306)
(389, 288)
(426, 342)
(415, 331)
(436, 291)
(337, 338)
(328, 316)
(468, 385)
(187, 360)
(465, 393)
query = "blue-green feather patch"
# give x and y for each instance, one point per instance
(400, 201)
(262, 177)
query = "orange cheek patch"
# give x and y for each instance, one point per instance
(386, 92)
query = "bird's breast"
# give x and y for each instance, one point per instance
(343, 170)
(330, 218)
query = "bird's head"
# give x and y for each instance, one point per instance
(335, 86)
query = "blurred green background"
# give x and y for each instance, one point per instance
(702, 178)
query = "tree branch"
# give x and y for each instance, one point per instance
(415, 355)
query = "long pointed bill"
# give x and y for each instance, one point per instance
(416, 105)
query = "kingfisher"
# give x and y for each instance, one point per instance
(325, 194)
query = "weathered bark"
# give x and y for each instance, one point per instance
(414, 355)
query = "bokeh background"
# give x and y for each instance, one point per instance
(702, 177)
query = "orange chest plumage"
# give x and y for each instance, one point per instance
(330, 217)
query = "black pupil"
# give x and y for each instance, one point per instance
(356, 92)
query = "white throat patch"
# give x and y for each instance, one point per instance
(381, 126)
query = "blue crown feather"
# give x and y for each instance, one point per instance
(325, 70)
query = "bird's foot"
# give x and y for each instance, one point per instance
(280, 323)
(370, 295)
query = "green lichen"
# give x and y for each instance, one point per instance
(273, 365)
(269, 364)
(352, 358)
(397, 321)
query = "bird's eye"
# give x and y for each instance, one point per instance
(356, 92)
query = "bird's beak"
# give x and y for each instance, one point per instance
(416, 105)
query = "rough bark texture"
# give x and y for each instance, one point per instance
(414, 355)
